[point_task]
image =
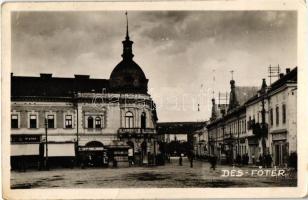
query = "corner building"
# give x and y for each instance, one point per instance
(91, 122)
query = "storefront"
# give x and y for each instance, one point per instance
(60, 154)
(254, 152)
(280, 148)
(25, 152)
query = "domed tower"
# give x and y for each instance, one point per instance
(127, 76)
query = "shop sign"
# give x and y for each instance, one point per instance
(280, 136)
(25, 138)
(91, 148)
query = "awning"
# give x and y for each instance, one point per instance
(25, 149)
(60, 149)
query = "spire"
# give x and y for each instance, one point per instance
(127, 44)
(263, 87)
(214, 111)
(127, 35)
(233, 103)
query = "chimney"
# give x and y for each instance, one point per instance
(45, 76)
(280, 75)
(77, 76)
(287, 70)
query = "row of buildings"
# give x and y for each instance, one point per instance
(265, 123)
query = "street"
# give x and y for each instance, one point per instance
(170, 175)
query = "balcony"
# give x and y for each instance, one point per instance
(136, 132)
(260, 130)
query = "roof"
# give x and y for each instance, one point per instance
(290, 77)
(245, 92)
(49, 86)
(179, 127)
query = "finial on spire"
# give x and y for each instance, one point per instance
(232, 71)
(127, 36)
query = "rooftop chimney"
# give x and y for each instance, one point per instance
(280, 75)
(82, 76)
(45, 76)
(287, 70)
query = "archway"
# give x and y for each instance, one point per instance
(94, 154)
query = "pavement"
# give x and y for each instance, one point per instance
(169, 175)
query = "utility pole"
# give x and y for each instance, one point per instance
(46, 144)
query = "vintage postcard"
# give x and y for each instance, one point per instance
(154, 100)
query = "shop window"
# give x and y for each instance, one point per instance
(129, 118)
(33, 121)
(51, 121)
(14, 121)
(90, 122)
(68, 121)
(98, 122)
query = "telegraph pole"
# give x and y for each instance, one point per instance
(46, 144)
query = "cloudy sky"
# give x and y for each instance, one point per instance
(180, 52)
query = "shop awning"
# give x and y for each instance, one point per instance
(60, 149)
(25, 149)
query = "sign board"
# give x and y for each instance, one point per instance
(25, 138)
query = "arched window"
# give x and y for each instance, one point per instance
(98, 122)
(90, 122)
(143, 120)
(129, 118)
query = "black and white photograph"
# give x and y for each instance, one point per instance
(163, 98)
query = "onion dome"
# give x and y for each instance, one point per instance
(127, 76)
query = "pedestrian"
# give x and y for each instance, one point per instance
(261, 160)
(238, 159)
(180, 160)
(130, 156)
(191, 158)
(213, 160)
(269, 161)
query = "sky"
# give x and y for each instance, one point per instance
(187, 56)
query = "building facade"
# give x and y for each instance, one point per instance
(92, 122)
(265, 124)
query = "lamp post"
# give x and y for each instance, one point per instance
(46, 144)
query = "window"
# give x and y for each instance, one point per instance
(143, 120)
(68, 121)
(90, 122)
(14, 121)
(277, 115)
(51, 121)
(33, 121)
(98, 122)
(245, 126)
(284, 113)
(129, 117)
(271, 117)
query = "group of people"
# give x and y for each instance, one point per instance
(242, 159)
(190, 156)
(265, 160)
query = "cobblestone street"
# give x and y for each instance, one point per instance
(170, 175)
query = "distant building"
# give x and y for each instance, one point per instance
(89, 121)
(201, 142)
(177, 131)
